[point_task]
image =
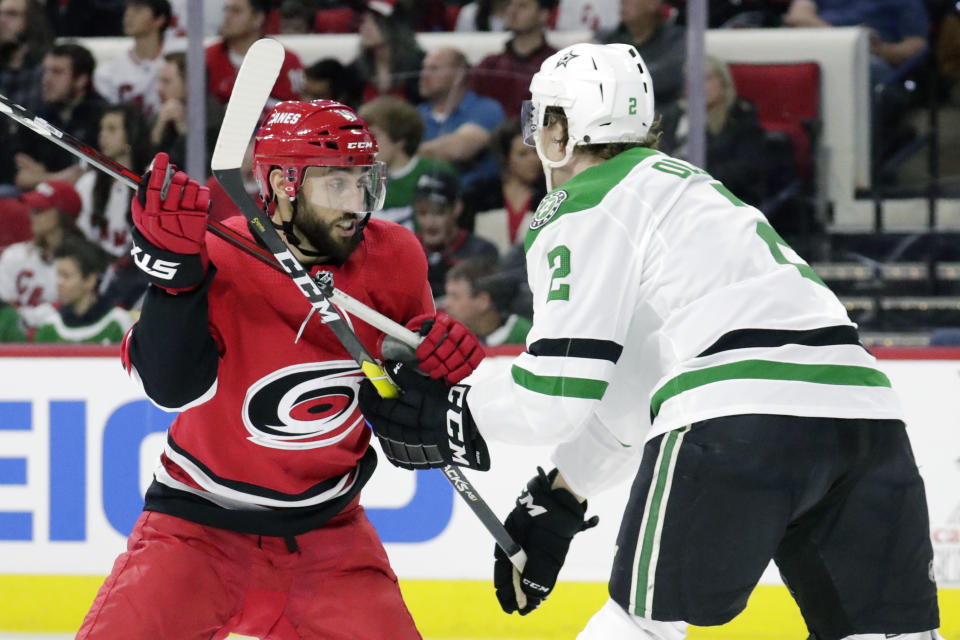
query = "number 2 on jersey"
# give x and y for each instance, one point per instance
(559, 260)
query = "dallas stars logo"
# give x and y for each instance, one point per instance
(567, 57)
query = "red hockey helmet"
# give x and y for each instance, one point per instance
(323, 133)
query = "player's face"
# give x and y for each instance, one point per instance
(58, 81)
(72, 285)
(169, 83)
(334, 232)
(113, 137)
(13, 19)
(551, 141)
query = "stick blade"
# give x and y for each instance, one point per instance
(255, 79)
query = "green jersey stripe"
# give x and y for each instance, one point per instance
(559, 385)
(648, 551)
(769, 370)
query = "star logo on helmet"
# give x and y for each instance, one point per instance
(567, 57)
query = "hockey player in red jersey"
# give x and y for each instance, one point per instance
(252, 522)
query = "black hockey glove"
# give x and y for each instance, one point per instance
(429, 425)
(543, 523)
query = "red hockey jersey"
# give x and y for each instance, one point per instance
(222, 73)
(271, 439)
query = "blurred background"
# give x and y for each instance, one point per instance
(839, 119)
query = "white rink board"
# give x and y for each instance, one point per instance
(75, 527)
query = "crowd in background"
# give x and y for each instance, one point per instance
(459, 173)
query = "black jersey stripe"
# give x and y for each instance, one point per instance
(747, 338)
(577, 348)
(253, 489)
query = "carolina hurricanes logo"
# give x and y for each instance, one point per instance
(305, 406)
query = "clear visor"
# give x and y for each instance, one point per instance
(353, 189)
(530, 121)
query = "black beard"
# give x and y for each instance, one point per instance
(320, 235)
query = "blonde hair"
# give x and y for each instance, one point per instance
(717, 118)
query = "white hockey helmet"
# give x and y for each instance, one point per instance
(606, 93)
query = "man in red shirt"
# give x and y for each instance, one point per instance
(252, 524)
(505, 76)
(243, 22)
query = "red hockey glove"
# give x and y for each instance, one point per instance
(170, 221)
(449, 350)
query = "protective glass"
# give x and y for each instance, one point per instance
(354, 189)
(530, 121)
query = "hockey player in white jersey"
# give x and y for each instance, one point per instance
(673, 323)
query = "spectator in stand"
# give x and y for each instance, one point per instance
(500, 209)
(82, 314)
(398, 128)
(479, 296)
(590, 15)
(11, 328)
(296, 17)
(483, 15)
(898, 30)
(28, 278)
(169, 128)
(457, 122)
(243, 22)
(505, 76)
(133, 77)
(105, 216)
(661, 44)
(25, 37)
(389, 58)
(898, 33)
(437, 204)
(735, 139)
(71, 104)
(327, 79)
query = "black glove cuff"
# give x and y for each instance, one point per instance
(172, 271)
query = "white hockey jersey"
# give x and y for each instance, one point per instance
(660, 300)
(126, 78)
(28, 282)
(115, 237)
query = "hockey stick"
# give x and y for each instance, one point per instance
(255, 79)
(119, 172)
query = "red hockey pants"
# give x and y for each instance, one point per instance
(179, 580)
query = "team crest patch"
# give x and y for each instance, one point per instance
(548, 208)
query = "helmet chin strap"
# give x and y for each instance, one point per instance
(286, 226)
(550, 165)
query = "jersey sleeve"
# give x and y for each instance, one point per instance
(595, 460)
(171, 349)
(583, 271)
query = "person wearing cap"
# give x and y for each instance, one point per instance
(132, 76)
(505, 76)
(28, 278)
(389, 58)
(437, 205)
(243, 24)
